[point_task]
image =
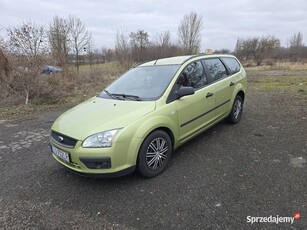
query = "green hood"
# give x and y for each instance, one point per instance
(100, 114)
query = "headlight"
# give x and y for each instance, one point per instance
(100, 140)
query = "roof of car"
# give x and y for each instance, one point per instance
(179, 60)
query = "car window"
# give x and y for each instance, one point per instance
(216, 69)
(232, 64)
(145, 82)
(193, 75)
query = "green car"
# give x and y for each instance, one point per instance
(141, 118)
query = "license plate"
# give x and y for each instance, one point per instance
(60, 153)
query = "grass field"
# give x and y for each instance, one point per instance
(283, 77)
(283, 84)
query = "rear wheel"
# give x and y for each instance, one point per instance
(236, 111)
(154, 154)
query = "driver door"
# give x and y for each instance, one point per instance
(194, 110)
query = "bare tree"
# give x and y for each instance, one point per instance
(296, 40)
(58, 37)
(29, 40)
(163, 42)
(189, 32)
(79, 37)
(27, 45)
(296, 45)
(258, 48)
(2, 43)
(139, 41)
(4, 65)
(222, 51)
(90, 51)
(122, 49)
(107, 54)
(4, 74)
(163, 39)
(263, 47)
(244, 48)
(239, 49)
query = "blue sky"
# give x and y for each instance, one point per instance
(224, 21)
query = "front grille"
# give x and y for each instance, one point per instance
(63, 140)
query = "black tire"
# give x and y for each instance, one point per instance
(236, 110)
(154, 154)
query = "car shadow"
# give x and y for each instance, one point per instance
(199, 139)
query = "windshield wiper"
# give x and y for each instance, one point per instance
(111, 95)
(128, 96)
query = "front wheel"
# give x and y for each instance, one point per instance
(154, 154)
(236, 111)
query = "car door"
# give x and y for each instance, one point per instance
(234, 72)
(194, 111)
(222, 86)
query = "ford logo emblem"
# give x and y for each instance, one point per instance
(61, 139)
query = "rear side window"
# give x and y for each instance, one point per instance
(232, 64)
(216, 69)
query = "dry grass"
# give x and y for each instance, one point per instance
(68, 88)
(291, 66)
(23, 111)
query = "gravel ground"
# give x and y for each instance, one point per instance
(255, 168)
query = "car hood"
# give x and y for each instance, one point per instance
(100, 114)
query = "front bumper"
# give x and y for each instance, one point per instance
(118, 160)
(121, 173)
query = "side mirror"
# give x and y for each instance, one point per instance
(184, 91)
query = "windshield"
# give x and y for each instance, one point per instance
(141, 83)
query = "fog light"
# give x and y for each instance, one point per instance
(96, 163)
(103, 165)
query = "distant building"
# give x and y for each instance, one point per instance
(209, 51)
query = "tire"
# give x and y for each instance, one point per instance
(154, 154)
(236, 110)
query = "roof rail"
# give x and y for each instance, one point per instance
(194, 56)
(138, 64)
(189, 58)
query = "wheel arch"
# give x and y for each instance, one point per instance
(159, 123)
(166, 130)
(241, 94)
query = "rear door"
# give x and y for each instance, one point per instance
(223, 84)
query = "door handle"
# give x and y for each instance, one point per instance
(209, 95)
(231, 84)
